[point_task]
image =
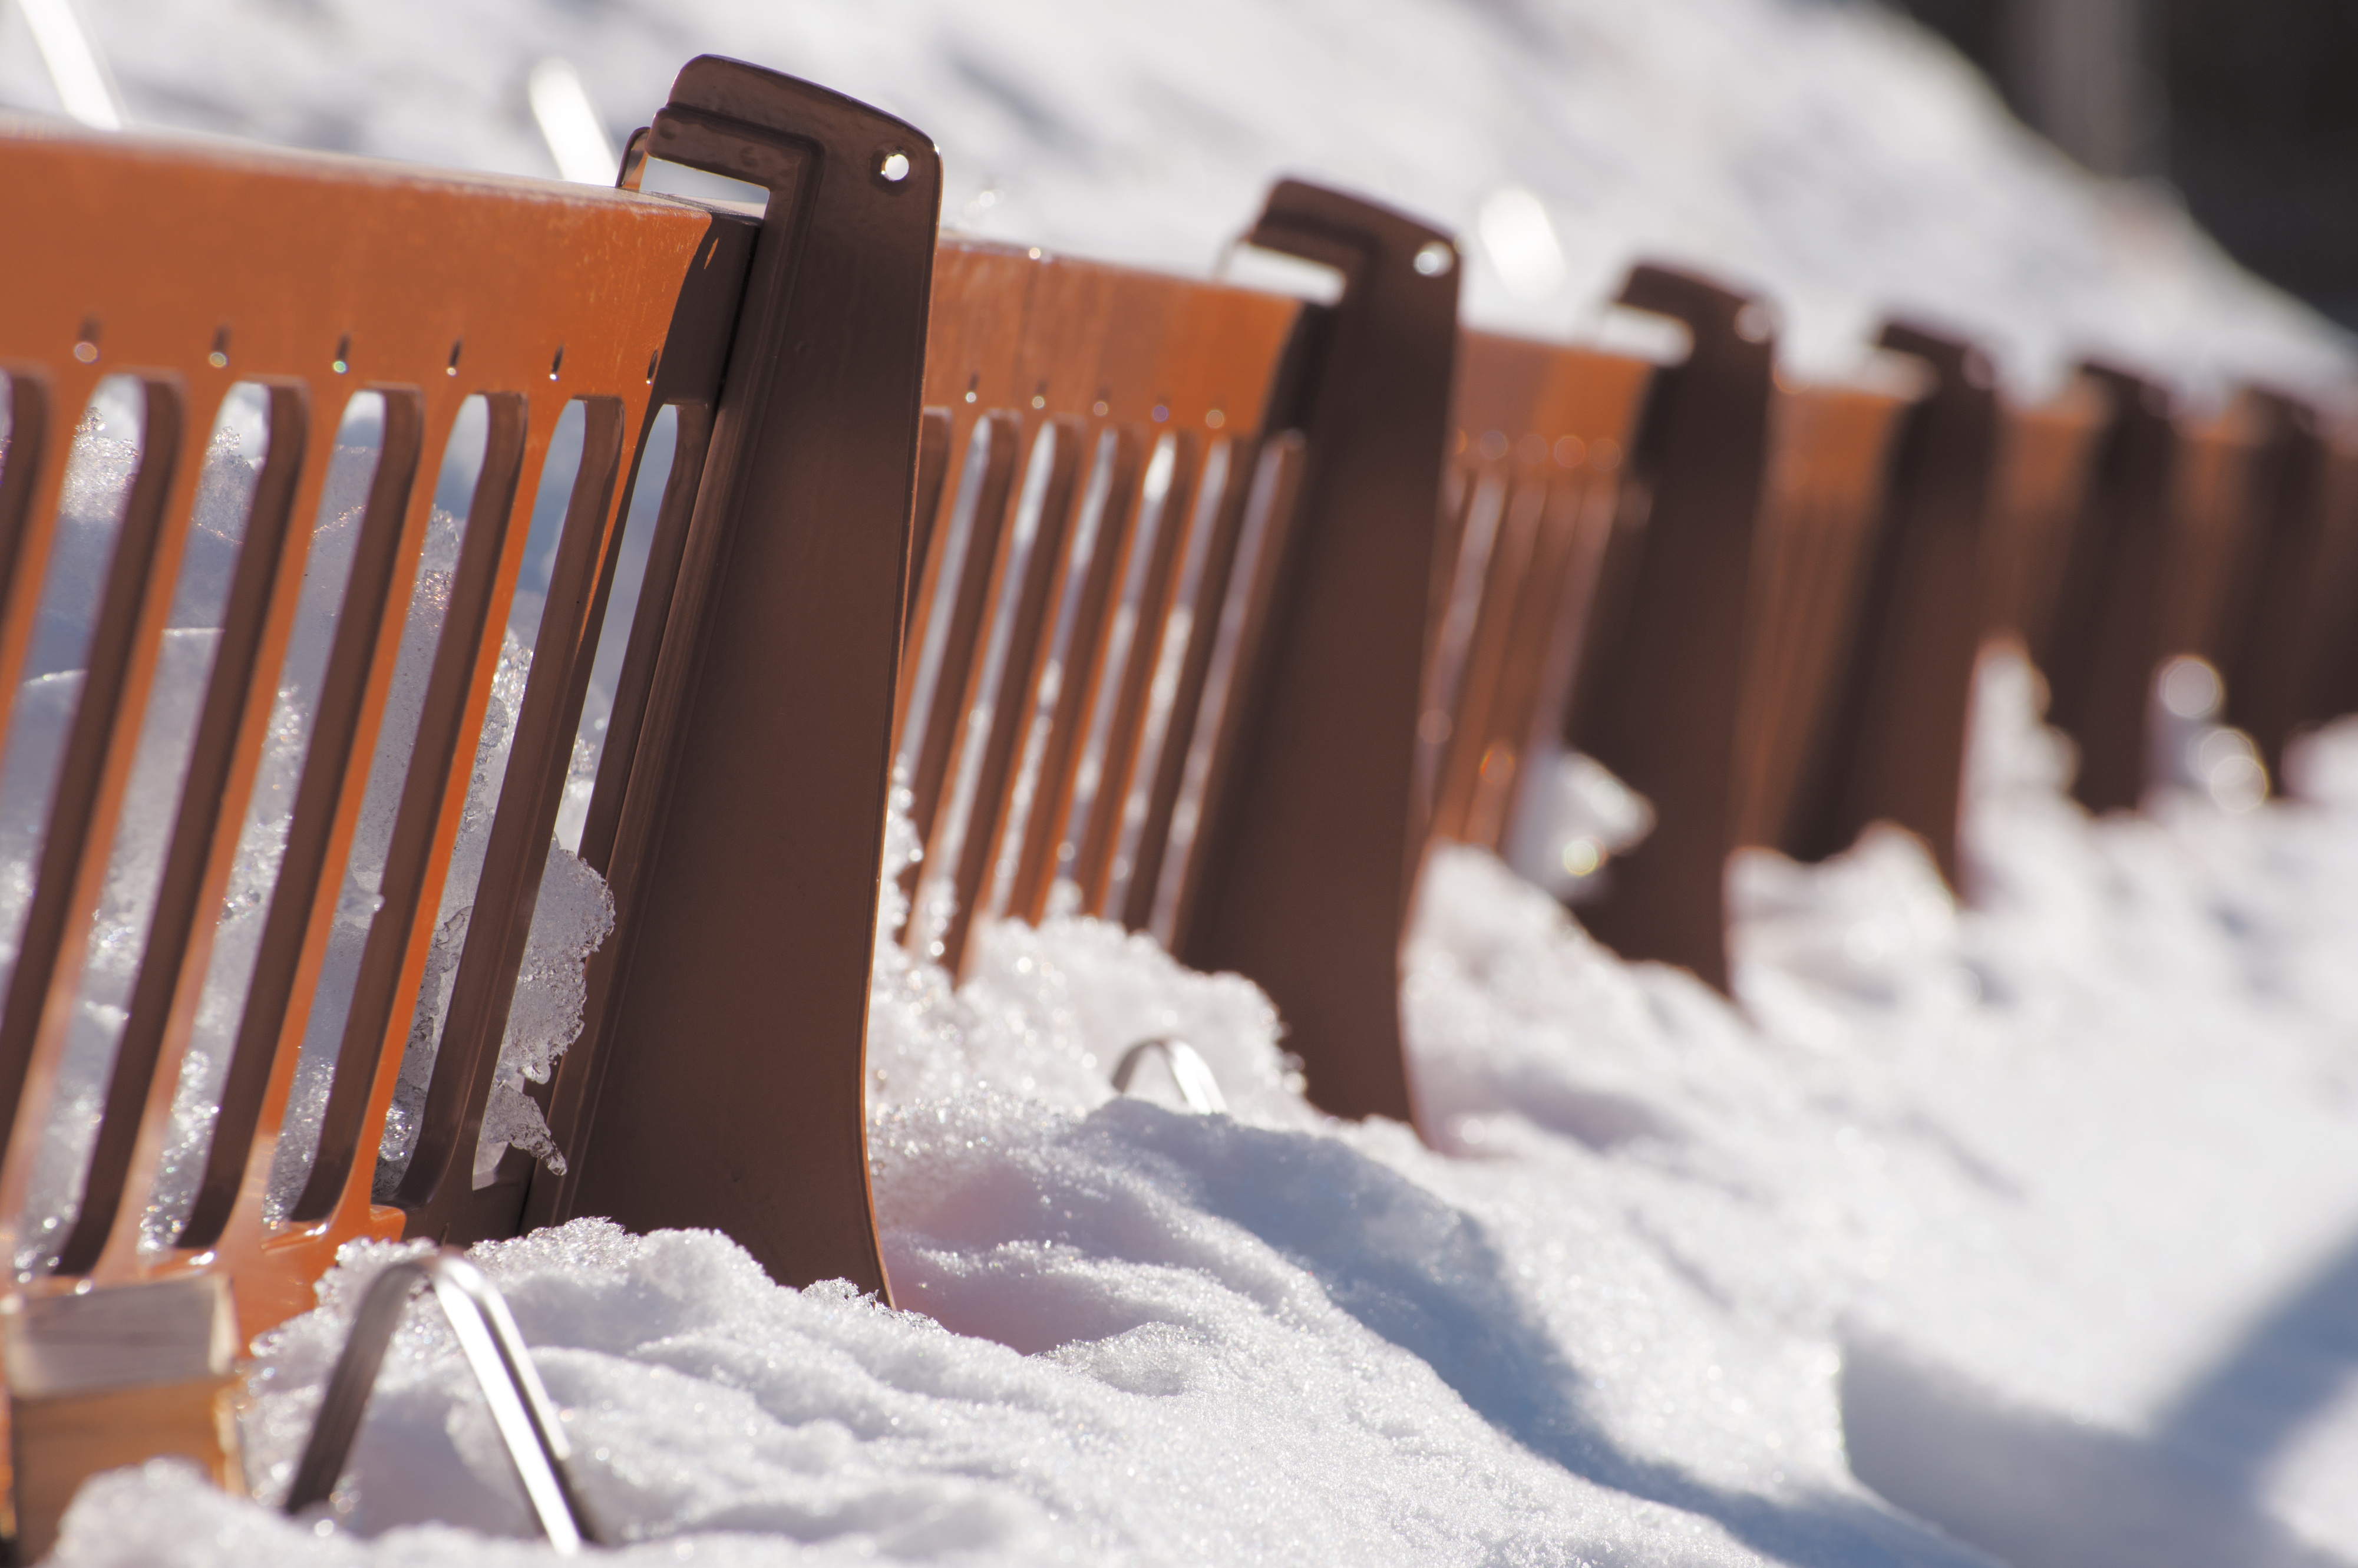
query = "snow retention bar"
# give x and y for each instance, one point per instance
(2046, 462)
(1656, 699)
(220, 279)
(720, 1080)
(1094, 463)
(2210, 537)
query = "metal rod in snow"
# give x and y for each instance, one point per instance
(568, 123)
(1197, 1084)
(85, 87)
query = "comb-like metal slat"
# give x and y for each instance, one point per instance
(219, 774)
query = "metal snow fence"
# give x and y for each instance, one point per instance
(2300, 577)
(172, 281)
(1655, 698)
(1728, 593)
(1167, 614)
(2045, 464)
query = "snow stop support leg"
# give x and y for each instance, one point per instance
(1657, 697)
(725, 1085)
(1896, 748)
(2264, 622)
(1314, 826)
(2275, 638)
(2106, 625)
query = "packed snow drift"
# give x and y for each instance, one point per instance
(2031, 1220)
(2025, 1231)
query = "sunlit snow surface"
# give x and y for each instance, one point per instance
(2050, 1204)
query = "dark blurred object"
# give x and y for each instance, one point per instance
(2245, 109)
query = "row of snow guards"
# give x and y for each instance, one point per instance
(1191, 607)
(1769, 621)
(1160, 658)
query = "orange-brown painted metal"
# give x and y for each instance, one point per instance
(1541, 434)
(194, 268)
(2302, 577)
(2105, 636)
(1095, 422)
(2046, 460)
(1811, 564)
(1104, 606)
(2229, 469)
(2329, 681)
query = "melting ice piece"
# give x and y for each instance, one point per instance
(1575, 816)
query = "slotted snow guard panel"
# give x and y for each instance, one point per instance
(191, 269)
(1542, 432)
(1135, 493)
(1820, 528)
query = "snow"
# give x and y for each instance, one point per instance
(2021, 1226)
(1825, 151)
(2033, 1215)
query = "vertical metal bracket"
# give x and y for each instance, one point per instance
(1896, 748)
(2107, 622)
(1311, 840)
(2275, 624)
(732, 1034)
(1657, 702)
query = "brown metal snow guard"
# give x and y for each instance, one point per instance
(719, 1079)
(1714, 663)
(2295, 631)
(1656, 697)
(191, 268)
(2104, 635)
(2177, 550)
(1894, 747)
(1173, 546)
(1527, 510)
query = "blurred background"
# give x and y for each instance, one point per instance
(2247, 110)
(1849, 160)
